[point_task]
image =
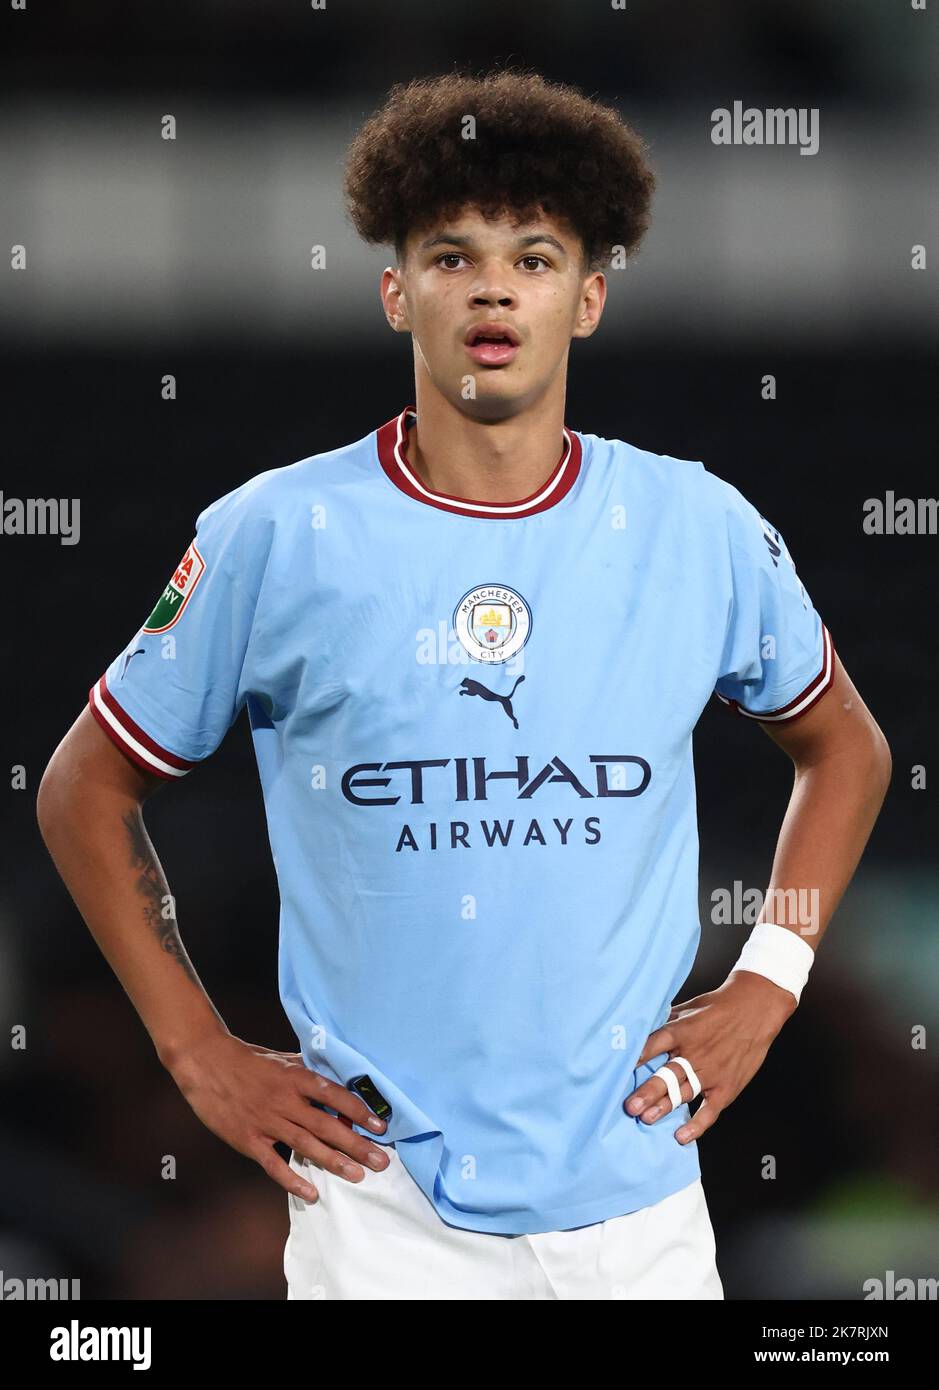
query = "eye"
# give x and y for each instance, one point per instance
(450, 256)
(540, 259)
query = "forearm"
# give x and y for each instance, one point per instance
(834, 804)
(100, 846)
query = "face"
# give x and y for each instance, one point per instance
(526, 279)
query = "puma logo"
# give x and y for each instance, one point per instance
(139, 652)
(471, 687)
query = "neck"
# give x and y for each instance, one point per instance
(502, 460)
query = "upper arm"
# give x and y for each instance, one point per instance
(779, 665)
(841, 722)
(777, 660)
(167, 699)
(86, 758)
(169, 696)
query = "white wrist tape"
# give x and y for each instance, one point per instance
(778, 953)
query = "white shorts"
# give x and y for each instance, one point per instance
(382, 1238)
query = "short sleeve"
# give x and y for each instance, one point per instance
(169, 697)
(778, 656)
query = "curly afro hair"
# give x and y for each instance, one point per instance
(538, 146)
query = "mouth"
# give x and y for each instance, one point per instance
(492, 344)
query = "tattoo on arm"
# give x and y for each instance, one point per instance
(158, 910)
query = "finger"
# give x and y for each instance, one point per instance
(650, 1100)
(700, 1122)
(645, 1096)
(322, 1091)
(281, 1172)
(664, 1107)
(324, 1155)
(687, 1091)
(319, 1127)
(677, 1010)
(650, 1092)
(662, 1040)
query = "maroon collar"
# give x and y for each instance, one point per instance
(395, 465)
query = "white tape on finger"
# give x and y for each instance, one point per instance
(672, 1083)
(691, 1074)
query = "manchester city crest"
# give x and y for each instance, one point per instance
(492, 622)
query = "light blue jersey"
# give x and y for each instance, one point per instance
(473, 727)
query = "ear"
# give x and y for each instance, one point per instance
(391, 293)
(590, 309)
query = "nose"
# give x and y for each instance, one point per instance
(490, 287)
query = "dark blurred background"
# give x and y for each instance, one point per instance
(191, 257)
